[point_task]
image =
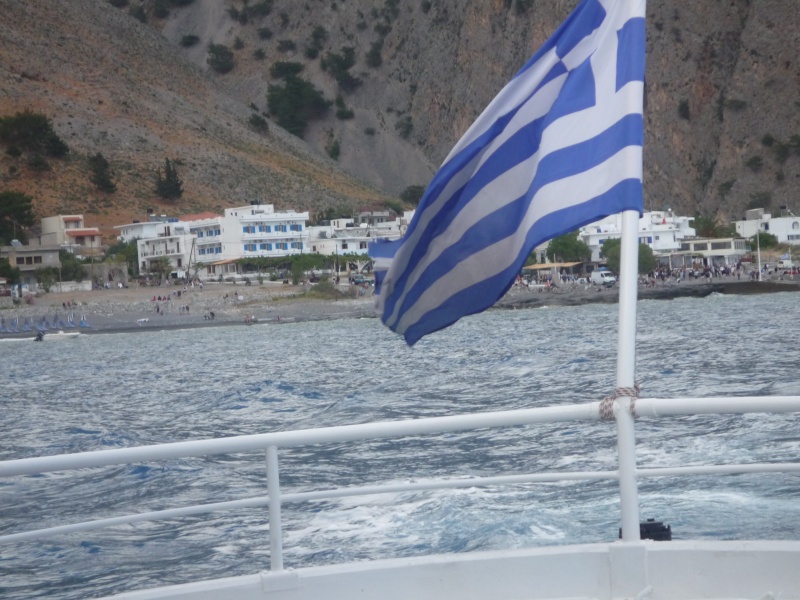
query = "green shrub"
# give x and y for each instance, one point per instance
(260, 9)
(782, 152)
(286, 46)
(190, 40)
(726, 187)
(736, 104)
(259, 54)
(259, 123)
(523, 6)
(238, 43)
(295, 103)
(118, 3)
(101, 173)
(137, 12)
(374, 58)
(31, 132)
(161, 9)
(426, 6)
(335, 63)
(333, 149)
(282, 69)
(318, 37)
(37, 162)
(391, 9)
(265, 33)
(342, 112)
(404, 126)
(369, 130)
(412, 194)
(338, 65)
(683, 110)
(767, 140)
(16, 215)
(220, 58)
(13, 274)
(755, 163)
(72, 268)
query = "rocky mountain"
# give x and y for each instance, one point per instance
(191, 80)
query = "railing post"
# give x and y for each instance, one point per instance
(274, 492)
(626, 367)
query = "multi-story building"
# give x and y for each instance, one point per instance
(349, 239)
(173, 243)
(71, 234)
(708, 252)
(153, 227)
(786, 227)
(30, 257)
(661, 230)
(208, 245)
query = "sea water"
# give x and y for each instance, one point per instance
(129, 389)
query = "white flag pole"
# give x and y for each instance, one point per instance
(626, 367)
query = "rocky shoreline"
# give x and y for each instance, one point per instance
(135, 310)
(668, 291)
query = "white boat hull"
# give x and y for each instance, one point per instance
(677, 570)
(60, 336)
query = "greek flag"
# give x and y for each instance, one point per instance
(558, 148)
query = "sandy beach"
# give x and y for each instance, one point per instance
(145, 308)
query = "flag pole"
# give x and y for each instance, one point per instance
(626, 365)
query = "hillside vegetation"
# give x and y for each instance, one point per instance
(333, 105)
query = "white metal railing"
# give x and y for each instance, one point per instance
(270, 442)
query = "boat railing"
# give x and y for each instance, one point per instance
(271, 442)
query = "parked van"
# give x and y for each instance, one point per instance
(602, 277)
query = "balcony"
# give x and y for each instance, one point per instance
(167, 252)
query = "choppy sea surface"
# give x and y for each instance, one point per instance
(118, 390)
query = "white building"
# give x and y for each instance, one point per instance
(661, 230)
(174, 242)
(155, 226)
(786, 227)
(348, 238)
(209, 245)
(708, 252)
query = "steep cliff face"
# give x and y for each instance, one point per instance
(722, 106)
(722, 114)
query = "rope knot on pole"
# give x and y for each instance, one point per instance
(607, 404)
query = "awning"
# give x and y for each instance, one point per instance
(559, 265)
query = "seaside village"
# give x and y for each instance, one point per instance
(200, 248)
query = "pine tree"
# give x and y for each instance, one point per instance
(170, 186)
(101, 173)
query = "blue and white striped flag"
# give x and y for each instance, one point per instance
(558, 148)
